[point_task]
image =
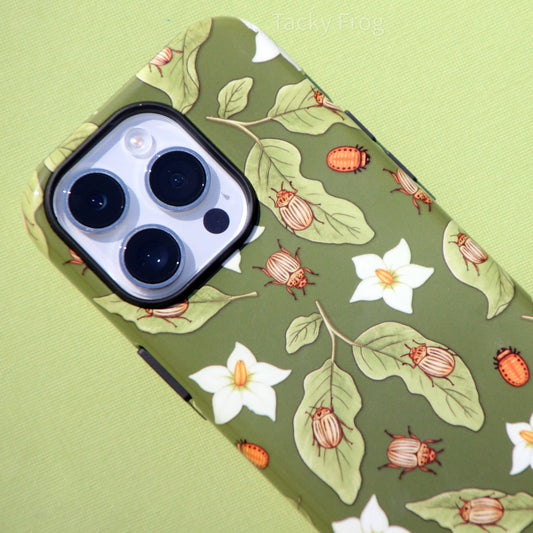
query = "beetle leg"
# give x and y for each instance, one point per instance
(388, 465)
(411, 434)
(273, 200)
(274, 282)
(392, 436)
(432, 441)
(84, 270)
(145, 316)
(345, 437)
(416, 205)
(466, 262)
(407, 364)
(408, 470)
(392, 174)
(476, 267)
(288, 290)
(264, 270)
(497, 525)
(424, 469)
(448, 379)
(170, 321)
(286, 251)
(310, 272)
(292, 187)
(183, 317)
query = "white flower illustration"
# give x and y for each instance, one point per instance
(521, 435)
(243, 381)
(373, 520)
(392, 278)
(265, 48)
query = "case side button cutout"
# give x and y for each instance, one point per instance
(168, 378)
(390, 154)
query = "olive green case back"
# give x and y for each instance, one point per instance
(362, 349)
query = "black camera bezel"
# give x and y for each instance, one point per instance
(200, 278)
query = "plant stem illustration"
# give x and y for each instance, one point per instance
(435, 372)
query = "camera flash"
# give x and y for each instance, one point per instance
(139, 143)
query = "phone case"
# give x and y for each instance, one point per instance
(361, 349)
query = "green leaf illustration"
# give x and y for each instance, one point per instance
(296, 109)
(233, 97)
(517, 513)
(61, 153)
(337, 466)
(31, 201)
(492, 281)
(273, 162)
(378, 353)
(178, 77)
(301, 331)
(203, 305)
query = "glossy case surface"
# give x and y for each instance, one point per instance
(383, 368)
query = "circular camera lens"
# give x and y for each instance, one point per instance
(152, 256)
(177, 178)
(96, 200)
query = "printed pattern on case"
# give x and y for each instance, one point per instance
(306, 216)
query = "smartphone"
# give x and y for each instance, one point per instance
(298, 287)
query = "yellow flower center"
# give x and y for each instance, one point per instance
(240, 375)
(527, 436)
(384, 276)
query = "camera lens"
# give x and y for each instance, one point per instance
(96, 200)
(152, 256)
(177, 178)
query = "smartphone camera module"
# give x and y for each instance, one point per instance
(96, 200)
(177, 178)
(150, 205)
(152, 256)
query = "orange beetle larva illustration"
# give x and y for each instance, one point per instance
(348, 159)
(162, 58)
(410, 453)
(470, 250)
(175, 311)
(323, 101)
(287, 270)
(481, 512)
(327, 428)
(76, 260)
(410, 187)
(434, 361)
(512, 366)
(295, 212)
(257, 455)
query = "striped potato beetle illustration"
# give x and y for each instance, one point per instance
(76, 260)
(348, 159)
(257, 455)
(175, 311)
(471, 251)
(434, 361)
(327, 428)
(162, 58)
(410, 187)
(410, 453)
(287, 270)
(295, 212)
(481, 512)
(323, 101)
(512, 366)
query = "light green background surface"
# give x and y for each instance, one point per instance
(90, 438)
